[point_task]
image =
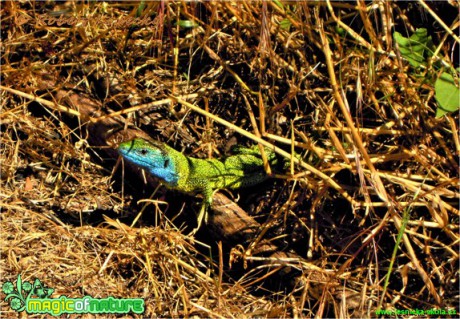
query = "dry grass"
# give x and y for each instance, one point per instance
(321, 77)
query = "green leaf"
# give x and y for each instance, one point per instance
(279, 4)
(140, 8)
(447, 94)
(416, 48)
(341, 31)
(19, 284)
(285, 24)
(440, 112)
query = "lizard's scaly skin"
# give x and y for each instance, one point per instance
(193, 175)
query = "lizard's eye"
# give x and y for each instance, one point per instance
(143, 151)
(166, 163)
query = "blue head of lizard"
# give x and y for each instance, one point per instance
(151, 157)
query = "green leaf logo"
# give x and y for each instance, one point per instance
(15, 297)
(18, 297)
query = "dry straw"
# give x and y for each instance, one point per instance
(368, 218)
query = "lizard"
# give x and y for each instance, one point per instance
(193, 175)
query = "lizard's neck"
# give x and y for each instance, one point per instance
(176, 171)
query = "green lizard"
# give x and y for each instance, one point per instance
(193, 175)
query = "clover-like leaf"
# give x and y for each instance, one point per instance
(8, 287)
(16, 304)
(40, 292)
(48, 292)
(37, 288)
(416, 48)
(447, 94)
(27, 286)
(37, 283)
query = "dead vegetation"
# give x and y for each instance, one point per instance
(323, 78)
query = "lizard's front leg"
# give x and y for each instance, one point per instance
(208, 192)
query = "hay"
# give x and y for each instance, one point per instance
(324, 77)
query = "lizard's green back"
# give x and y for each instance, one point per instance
(233, 172)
